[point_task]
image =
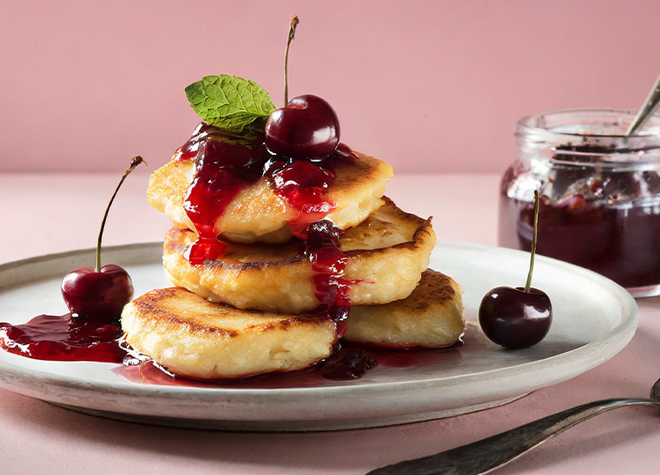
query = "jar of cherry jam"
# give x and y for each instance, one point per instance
(600, 194)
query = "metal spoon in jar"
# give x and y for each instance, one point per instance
(489, 454)
(646, 111)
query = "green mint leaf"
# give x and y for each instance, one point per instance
(236, 105)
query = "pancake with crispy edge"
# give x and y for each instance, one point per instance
(431, 317)
(259, 214)
(385, 257)
(192, 337)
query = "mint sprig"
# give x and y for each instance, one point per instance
(237, 106)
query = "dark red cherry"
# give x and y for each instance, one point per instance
(520, 317)
(514, 318)
(307, 127)
(97, 296)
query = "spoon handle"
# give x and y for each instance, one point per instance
(488, 454)
(646, 111)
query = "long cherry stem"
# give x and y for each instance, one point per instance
(293, 23)
(528, 284)
(135, 161)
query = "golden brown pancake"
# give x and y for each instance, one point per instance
(192, 337)
(385, 256)
(258, 214)
(431, 317)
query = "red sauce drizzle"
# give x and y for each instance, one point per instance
(63, 338)
(329, 262)
(224, 166)
(302, 185)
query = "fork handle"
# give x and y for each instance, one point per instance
(488, 454)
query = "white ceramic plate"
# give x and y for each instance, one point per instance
(593, 320)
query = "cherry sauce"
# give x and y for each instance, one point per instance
(63, 338)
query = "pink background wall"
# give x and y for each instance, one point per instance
(425, 85)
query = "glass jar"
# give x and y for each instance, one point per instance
(600, 194)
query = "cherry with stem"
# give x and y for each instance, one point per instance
(307, 127)
(99, 294)
(517, 317)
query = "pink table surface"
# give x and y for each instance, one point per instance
(53, 213)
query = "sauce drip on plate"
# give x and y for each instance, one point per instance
(63, 338)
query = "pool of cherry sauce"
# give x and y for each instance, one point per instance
(63, 338)
(348, 363)
(224, 166)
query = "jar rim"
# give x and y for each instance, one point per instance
(602, 130)
(535, 120)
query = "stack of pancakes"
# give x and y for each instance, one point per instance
(253, 310)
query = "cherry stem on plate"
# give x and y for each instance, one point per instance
(135, 161)
(293, 23)
(528, 284)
